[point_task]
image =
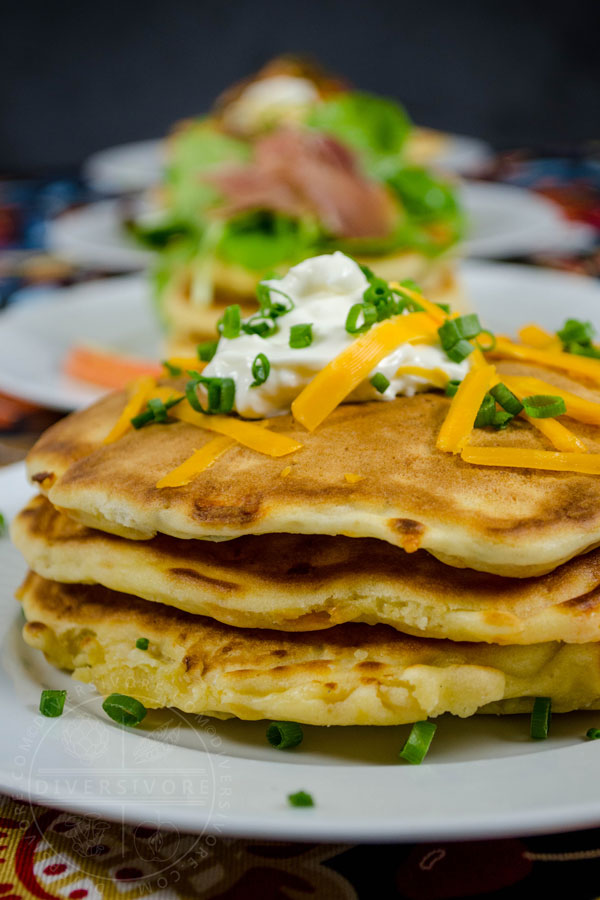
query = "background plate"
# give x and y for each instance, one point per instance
(137, 166)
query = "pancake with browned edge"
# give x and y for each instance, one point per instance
(297, 582)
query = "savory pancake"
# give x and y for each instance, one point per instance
(514, 522)
(347, 675)
(306, 583)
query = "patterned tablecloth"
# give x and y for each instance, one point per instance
(49, 854)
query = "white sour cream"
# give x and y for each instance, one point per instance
(280, 98)
(323, 290)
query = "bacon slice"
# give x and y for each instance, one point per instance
(300, 173)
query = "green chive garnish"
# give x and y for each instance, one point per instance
(540, 718)
(283, 735)
(576, 331)
(592, 734)
(263, 326)
(300, 336)
(156, 411)
(452, 387)
(368, 314)
(207, 350)
(582, 350)
(379, 382)
(300, 798)
(142, 643)
(486, 346)
(501, 418)
(486, 413)
(418, 743)
(459, 351)
(221, 394)
(231, 322)
(124, 710)
(506, 399)
(2, 524)
(544, 406)
(52, 703)
(261, 368)
(171, 369)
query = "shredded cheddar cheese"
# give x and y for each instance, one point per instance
(534, 336)
(516, 457)
(195, 464)
(460, 420)
(552, 359)
(352, 478)
(559, 436)
(344, 373)
(140, 392)
(186, 363)
(285, 472)
(436, 312)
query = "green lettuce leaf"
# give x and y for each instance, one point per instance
(260, 240)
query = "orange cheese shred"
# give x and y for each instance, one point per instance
(250, 434)
(186, 363)
(460, 420)
(553, 359)
(534, 336)
(344, 373)
(436, 312)
(516, 457)
(140, 392)
(195, 464)
(558, 435)
(353, 478)
(577, 407)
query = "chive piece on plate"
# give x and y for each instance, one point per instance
(540, 718)
(300, 798)
(52, 703)
(124, 710)
(379, 382)
(418, 743)
(283, 735)
(142, 643)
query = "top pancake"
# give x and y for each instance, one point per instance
(515, 522)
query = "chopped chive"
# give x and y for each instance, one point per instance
(124, 710)
(369, 317)
(52, 703)
(379, 382)
(418, 743)
(592, 734)
(221, 394)
(263, 326)
(261, 368)
(577, 332)
(171, 369)
(231, 322)
(445, 307)
(2, 524)
(491, 343)
(156, 412)
(158, 408)
(468, 326)
(300, 798)
(544, 406)
(452, 387)
(501, 418)
(506, 399)
(142, 643)
(459, 351)
(582, 349)
(540, 718)
(267, 306)
(300, 336)
(486, 413)
(207, 350)
(283, 735)
(449, 334)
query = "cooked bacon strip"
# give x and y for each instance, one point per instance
(303, 173)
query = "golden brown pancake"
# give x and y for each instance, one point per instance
(347, 675)
(296, 582)
(515, 522)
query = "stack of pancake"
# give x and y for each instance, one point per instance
(367, 578)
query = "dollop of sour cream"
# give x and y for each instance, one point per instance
(279, 98)
(323, 289)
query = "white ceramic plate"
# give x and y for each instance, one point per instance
(137, 166)
(482, 778)
(35, 334)
(503, 221)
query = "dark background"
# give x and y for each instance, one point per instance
(78, 76)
